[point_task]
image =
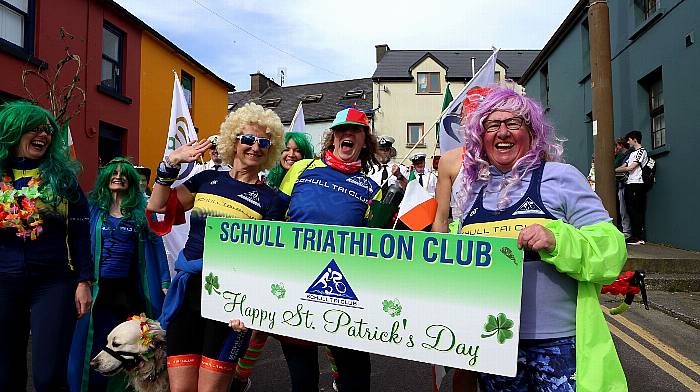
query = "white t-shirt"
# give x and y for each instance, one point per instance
(639, 156)
(375, 172)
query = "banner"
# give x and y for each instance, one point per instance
(451, 134)
(445, 299)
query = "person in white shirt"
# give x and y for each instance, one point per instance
(425, 176)
(215, 163)
(635, 191)
(388, 172)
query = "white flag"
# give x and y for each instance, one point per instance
(451, 132)
(181, 129)
(298, 123)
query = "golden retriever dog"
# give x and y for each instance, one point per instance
(136, 346)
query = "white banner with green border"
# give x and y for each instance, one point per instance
(445, 299)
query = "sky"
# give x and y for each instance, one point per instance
(326, 40)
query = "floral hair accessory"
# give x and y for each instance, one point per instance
(147, 335)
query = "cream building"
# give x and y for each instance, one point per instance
(409, 86)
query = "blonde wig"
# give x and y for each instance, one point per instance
(251, 114)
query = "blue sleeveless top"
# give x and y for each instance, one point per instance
(548, 302)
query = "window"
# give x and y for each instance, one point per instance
(271, 102)
(414, 133)
(354, 94)
(646, 8)
(310, 98)
(656, 113)
(112, 47)
(17, 22)
(187, 82)
(428, 82)
(110, 144)
(544, 85)
(585, 49)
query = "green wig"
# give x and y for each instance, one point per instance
(303, 142)
(133, 204)
(58, 170)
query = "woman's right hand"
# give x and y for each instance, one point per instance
(189, 152)
(237, 325)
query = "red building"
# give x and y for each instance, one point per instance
(108, 41)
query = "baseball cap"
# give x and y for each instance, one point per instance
(350, 116)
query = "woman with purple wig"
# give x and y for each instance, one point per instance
(509, 174)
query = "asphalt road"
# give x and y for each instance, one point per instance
(658, 353)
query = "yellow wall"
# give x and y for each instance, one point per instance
(400, 105)
(210, 99)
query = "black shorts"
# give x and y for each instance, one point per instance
(190, 334)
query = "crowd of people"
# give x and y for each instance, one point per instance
(95, 259)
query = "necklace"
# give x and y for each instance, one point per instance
(18, 207)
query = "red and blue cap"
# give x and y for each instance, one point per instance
(350, 116)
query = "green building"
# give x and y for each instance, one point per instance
(655, 58)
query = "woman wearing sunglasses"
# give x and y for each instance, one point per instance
(131, 270)
(46, 270)
(250, 140)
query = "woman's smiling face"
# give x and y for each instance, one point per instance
(290, 154)
(505, 146)
(34, 144)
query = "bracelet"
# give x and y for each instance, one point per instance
(169, 163)
(165, 181)
(167, 172)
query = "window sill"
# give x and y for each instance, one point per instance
(409, 145)
(646, 25)
(663, 150)
(435, 93)
(104, 90)
(21, 54)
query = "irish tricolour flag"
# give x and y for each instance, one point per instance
(417, 209)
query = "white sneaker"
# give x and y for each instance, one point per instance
(640, 242)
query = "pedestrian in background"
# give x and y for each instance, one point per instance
(635, 191)
(46, 269)
(622, 152)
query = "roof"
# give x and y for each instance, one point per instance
(316, 109)
(569, 22)
(160, 37)
(397, 64)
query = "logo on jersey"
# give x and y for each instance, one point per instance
(528, 207)
(332, 287)
(214, 182)
(362, 181)
(251, 197)
(473, 212)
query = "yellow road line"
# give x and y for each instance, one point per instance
(654, 341)
(655, 359)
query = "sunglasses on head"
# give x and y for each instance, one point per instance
(249, 140)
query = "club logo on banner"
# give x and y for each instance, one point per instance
(331, 287)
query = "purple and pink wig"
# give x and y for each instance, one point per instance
(475, 167)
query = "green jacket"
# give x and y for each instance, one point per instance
(593, 255)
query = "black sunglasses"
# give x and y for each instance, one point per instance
(249, 140)
(43, 128)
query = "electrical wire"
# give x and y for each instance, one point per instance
(266, 42)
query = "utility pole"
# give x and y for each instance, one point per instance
(602, 103)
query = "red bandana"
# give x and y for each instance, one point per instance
(345, 167)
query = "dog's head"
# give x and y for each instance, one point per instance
(129, 345)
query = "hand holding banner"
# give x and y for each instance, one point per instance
(438, 298)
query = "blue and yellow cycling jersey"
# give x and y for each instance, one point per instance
(318, 193)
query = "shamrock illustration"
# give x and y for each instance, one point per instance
(278, 290)
(393, 307)
(211, 283)
(500, 326)
(509, 254)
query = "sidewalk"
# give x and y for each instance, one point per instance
(654, 258)
(683, 306)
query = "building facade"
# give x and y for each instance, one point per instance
(127, 104)
(654, 58)
(409, 86)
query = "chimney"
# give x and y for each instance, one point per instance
(381, 50)
(259, 83)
